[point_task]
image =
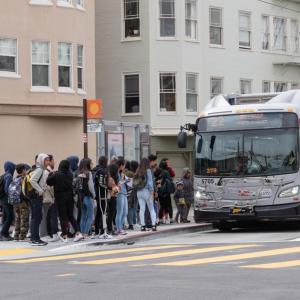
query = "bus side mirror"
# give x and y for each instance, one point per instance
(182, 140)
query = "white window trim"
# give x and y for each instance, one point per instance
(83, 90)
(41, 2)
(168, 113)
(270, 33)
(80, 7)
(245, 12)
(192, 113)
(66, 90)
(124, 114)
(251, 84)
(168, 38)
(42, 89)
(210, 85)
(262, 86)
(68, 4)
(6, 74)
(222, 27)
(287, 33)
(281, 82)
(188, 39)
(129, 39)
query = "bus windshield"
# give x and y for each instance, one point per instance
(262, 152)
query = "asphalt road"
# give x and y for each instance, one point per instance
(243, 264)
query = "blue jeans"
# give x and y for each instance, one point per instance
(36, 205)
(122, 211)
(87, 215)
(145, 198)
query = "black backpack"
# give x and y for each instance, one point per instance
(2, 186)
(81, 186)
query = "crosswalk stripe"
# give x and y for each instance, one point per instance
(163, 255)
(90, 254)
(234, 257)
(16, 251)
(276, 265)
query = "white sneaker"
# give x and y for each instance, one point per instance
(64, 240)
(54, 238)
(107, 236)
(78, 237)
(167, 222)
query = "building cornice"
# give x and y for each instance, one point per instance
(40, 110)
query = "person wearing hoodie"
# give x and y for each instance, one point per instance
(38, 183)
(62, 181)
(74, 161)
(87, 194)
(100, 178)
(9, 168)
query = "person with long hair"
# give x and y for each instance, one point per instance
(122, 205)
(143, 183)
(87, 193)
(113, 190)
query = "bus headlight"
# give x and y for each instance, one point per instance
(290, 192)
(200, 195)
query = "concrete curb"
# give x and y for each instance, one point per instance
(149, 235)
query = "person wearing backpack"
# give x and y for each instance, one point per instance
(38, 182)
(86, 191)
(20, 204)
(143, 183)
(101, 177)
(5, 181)
(62, 181)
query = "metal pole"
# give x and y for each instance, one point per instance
(85, 136)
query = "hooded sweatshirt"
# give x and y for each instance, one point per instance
(9, 168)
(38, 178)
(187, 186)
(74, 161)
(62, 181)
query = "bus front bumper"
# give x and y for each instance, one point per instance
(280, 212)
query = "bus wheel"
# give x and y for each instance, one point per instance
(223, 226)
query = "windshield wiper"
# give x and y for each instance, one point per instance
(253, 156)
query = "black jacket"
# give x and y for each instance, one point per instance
(62, 181)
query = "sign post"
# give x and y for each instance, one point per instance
(92, 111)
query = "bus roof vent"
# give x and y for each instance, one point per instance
(217, 102)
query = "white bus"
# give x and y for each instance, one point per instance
(246, 161)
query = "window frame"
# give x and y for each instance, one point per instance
(160, 112)
(37, 88)
(69, 89)
(285, 35)
(124, 113)
(174, 37)
(269, 35)
(221, 79)
(194, 21)
(82, 90)
(123, 23)
(296, 41)
(280, 82)
(244, 29)
(221, 45)
(246, 80)
(196, 92)
(9, 74)
(66, 4)
(270, 84)
(41, 2)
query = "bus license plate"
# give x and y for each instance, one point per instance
(244, 211)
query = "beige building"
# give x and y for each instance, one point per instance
(47, 66)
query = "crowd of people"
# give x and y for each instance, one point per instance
(80, 201)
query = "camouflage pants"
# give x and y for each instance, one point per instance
(21, 220)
